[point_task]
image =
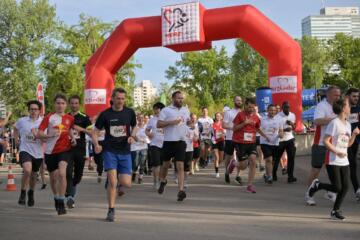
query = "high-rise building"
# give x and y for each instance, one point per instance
(144, 92)
(332, 20)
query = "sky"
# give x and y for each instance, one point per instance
(285, 13)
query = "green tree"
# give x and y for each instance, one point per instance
(315, 62)
(249, 70)
(345, 58)
(25, 28)
(204, 74)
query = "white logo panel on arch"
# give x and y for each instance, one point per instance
(95, 96)
(180, 23)
(283, 84)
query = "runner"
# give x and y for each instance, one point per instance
(156, 136)
(173, 120)
(139, 149)
(3, 142)
(196, 145)
(338, 138)
(287, 143)
(76, 163)
(119, 123)
(353, 95)
(192, 135)
(205, 123)
(227, 124)
(272, 127)
(59, 139)
(218, 142)
(31, 151)
(246, 124)
(322, 116)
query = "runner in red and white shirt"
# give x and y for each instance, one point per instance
(246, 124)
(218, 142)
(55, 130)
(322, 117)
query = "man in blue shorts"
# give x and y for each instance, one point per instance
(119, 123)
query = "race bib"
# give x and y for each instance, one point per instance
(118, 131)
(248, 137)
(354, 118)
(219, 134)
(343, 142)
(160, 131)
(30, 138)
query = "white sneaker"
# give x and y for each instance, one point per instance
(197, 167)
(330, 196)
(357, 195)
(309, 200)
(217, 175)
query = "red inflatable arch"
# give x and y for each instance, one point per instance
(246, 22)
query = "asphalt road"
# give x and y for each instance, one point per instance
(212, 210)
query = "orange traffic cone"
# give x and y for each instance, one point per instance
(11, 181)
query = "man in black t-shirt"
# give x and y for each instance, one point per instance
(75, 168)
(119, 123)
(353, 95)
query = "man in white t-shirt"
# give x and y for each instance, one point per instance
(156, 136)
(322, 116)
(173, 119)
(227, 124)
(31, 151)
(287, 143)
(205, 123)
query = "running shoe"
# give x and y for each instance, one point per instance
(110, 215)
(22, 198)
(217, 175)
(261, 168)
(61, 207)
(310, 201)
(357, 195)
(181, 196)
(99, 179)
(70, 203)
(313, 187)
(330, 196)
(227, 178)
(336, 215)
(292, 179)
(31, 200)
(251, 189)
(162, 187)
(197, 167)
(284, 171)
(238, 180)
(268, 179)
(140, 180)
(43, 186)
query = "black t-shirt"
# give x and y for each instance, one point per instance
(354, 119)
(82, 120)
(118, 126)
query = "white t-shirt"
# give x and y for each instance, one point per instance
(322, 110)
(190, 134)
(228, 120)
(206, 127)
(175, 132)
(142, 140)
(340, 136)
(283, 118)
(271, 127)
(28, 143)
(158, 137)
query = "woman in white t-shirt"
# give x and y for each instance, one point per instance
(338, 138)
(139, 149)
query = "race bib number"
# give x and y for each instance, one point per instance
(248, 137)
(30, 137)
(118, 131)
(160, 131)
(354, 118)
(219, 134)
(343, 142)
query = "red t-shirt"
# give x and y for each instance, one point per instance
(218, 132)
(247, 134)
(64, 123)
